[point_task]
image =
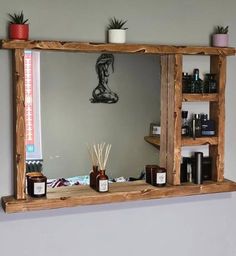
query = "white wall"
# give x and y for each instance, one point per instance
(200, 225)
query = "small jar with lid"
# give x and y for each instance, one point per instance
(150, 169)
(37, 186)
(160, 177)
(102, 184)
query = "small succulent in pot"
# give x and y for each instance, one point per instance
(18, 27)
(220, 37)
(116, 24)
(117, 31)
(221, 30)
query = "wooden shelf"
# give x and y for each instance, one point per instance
(200, 97)
(187, 141)
(153, 140)
(64, 197)
(124, 48)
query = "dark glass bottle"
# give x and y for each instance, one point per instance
(185, 82)
(185, 126)
(102, 184)
(92, 176)
(196, 85)
(210, 83)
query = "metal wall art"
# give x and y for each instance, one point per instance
(102, 93)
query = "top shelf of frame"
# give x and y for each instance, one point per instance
(115, 48)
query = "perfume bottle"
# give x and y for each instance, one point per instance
(207, 126)
(210, 83)
(102, 184)
(185, 126)
(196, 85)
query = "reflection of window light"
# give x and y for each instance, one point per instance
(32, 105)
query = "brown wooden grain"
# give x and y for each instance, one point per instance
(156, 142)
(162, 140)
(124, 48)
(174, 118)
(217, 113)
(188, 141)
(200, 97)
(119, 192)
(19, 123)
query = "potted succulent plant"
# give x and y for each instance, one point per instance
(116, 31)
(221, 38)
(18, 27)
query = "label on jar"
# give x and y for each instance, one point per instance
(161, 178)
(103, 185)
(39, 188)
(184, 131)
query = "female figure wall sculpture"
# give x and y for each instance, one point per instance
(102, 93)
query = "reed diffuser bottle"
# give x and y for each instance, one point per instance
(102, 152)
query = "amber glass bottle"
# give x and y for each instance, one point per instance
(102, 182)
(92, 176)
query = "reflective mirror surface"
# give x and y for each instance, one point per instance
(70, 121)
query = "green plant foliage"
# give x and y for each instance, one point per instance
(116, 24)
(221, 30)
(17, 18)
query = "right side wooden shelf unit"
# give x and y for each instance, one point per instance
(170, 141)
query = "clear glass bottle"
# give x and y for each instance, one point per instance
(102, 184)
(185, 126)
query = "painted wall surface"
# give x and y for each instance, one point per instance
(200, 225)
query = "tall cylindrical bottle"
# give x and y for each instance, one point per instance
(198, 167)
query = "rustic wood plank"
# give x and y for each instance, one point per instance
(156, 142)
(200, 97)
(125, 48)
(187, 141)
(174, 118)
(217, 113)
(163, 113)
(64, 197)
(19, 122)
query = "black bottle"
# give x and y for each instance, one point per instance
(210, 83)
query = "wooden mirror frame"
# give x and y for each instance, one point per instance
(171, 58)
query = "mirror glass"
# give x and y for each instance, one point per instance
(70, 121)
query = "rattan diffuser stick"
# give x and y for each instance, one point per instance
(102, 156)
(92, 155)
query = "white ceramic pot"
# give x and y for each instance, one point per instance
(220, 40)
(117, 36)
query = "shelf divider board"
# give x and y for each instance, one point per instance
(217, 113)
(174, 119)
(200, 97)
(155, 141)
(163, 112)
(105, 47)
(188, 141)
(64, 197)
(19, 123)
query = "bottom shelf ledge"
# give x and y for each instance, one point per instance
(64, 197)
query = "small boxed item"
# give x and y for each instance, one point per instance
(155, 129)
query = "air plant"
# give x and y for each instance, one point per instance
(116, 24)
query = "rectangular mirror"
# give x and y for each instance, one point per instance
(69, 120)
